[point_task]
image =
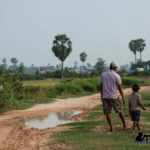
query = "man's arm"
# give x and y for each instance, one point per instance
(121, 93)
(101, 90)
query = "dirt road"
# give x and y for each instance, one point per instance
(24, 138)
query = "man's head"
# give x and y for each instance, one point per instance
(113, 66)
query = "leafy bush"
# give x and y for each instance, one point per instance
(73, 88)
(51, 92)
(60, 89)
(31, 89)
(11, 89)
(88, 87)
(130, 81)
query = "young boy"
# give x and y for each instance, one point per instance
(134, 107)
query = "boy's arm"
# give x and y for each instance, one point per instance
(140, 104)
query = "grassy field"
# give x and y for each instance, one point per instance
(93, 134)
(47, 82)
(52, 82)
(44, 91)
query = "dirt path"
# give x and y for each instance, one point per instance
(23, 138)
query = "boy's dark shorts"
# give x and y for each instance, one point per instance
(135, 115)
(109, 103)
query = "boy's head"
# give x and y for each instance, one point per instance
(135, 88)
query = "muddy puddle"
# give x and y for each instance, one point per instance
(48, 120)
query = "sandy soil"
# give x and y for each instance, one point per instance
(24, 138)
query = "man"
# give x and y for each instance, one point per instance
(109, 80)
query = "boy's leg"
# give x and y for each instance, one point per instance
(138, 126)
(109, 120)
(134, 127)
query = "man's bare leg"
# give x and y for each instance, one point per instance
(109, 120)
(121, 115)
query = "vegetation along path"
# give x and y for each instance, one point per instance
(24, 138)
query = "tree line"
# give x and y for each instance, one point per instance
(62, 47)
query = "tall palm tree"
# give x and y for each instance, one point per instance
(140, 47)
(83, 56)
(62, 47)
(133, 47)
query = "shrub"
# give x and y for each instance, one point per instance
(130, 81)
(88, 87)
(11, 89)
(73, 88)
(60, 89)
(51, 92)
(31, 89)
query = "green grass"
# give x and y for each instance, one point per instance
(46, 82)
(31, 102)
(65, 96)
(22, 104)
(93, 134)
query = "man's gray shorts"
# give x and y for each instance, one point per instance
(109, 103)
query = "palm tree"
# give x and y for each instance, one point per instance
(14, 61)
(133, 47)
(140, 47)
(137, 45)
(62, 47)
(83, 56)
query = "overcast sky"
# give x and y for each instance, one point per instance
(101, 28)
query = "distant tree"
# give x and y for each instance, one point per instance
(32, 66)
(88, 64)
(62, 47)
(4, 64)
(137, 46)
(14, 61)
(125, 67)
(20, 68)
(140, 47)
(100, 65)
(75, 65)
(83, 56)
(133, 47)
(58, 67)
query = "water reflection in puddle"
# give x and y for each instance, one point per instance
(48, 120)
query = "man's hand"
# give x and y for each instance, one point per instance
(121, 93)
(124, 101)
